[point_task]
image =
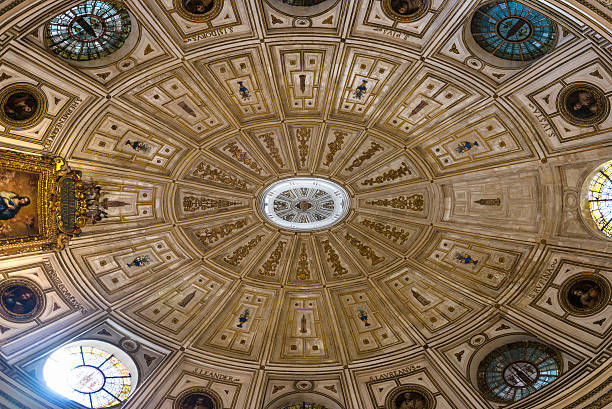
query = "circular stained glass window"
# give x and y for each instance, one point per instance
(513, 31)
(304, 203)
(91, 30)
(516, 370)
(600, 199)
(93, 374)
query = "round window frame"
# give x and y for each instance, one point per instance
(585, 210)
(107, 347)
(489, 347)
(124, 51)
(477, 51)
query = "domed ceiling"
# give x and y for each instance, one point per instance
(454, 226)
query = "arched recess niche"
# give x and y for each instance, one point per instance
(495, 343)
(489, 58)
(311, 397)
(126, 49)
(585, 212)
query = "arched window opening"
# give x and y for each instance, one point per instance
(92, 373)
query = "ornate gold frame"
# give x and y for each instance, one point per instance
(54, 232)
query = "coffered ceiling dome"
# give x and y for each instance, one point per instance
(342, 205)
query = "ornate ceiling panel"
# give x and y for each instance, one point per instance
(464, 175)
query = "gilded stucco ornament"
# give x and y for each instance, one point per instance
(42, 203)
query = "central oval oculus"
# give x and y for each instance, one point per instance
(303, 203)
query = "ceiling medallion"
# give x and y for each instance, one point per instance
(305, 204)
(410, 396)
(405, 11)
(198, 10)
(583, 104)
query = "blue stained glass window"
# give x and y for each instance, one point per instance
(91, 30)
(516, 370)
(513, 31)
(600, 199)
(89, 376)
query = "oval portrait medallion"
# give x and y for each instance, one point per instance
(198, 10)
(410, 396)
(405, 10)
(583, 104)
(584, 294)
(21, 300)
(22, 105)
(197, 398)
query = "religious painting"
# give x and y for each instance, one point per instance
(198, 10)
(405, 10)
(21, 300)
(197, 398)
(40, 203)
(18, 203)
(410, 396)
(21, 105)
(583, 104)
(585, 294)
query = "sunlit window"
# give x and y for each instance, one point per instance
(516, 370)
(91, 30)
(513, 31)
(600, 199)
(89, 375)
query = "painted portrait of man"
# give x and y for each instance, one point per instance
(197, 401)
(20, 106)
(405, 7)
(198, 6)
(584, 295)
(18, 299)
(582, 104)
(410, 400)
